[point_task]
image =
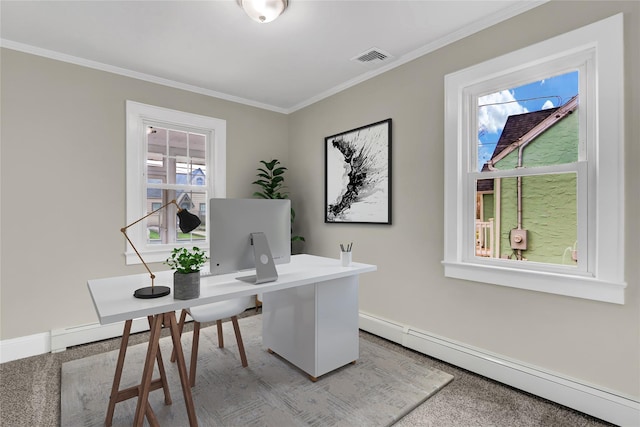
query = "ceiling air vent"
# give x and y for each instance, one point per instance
(373, 56)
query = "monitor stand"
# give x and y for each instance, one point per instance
(265, 267)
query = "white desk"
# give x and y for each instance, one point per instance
(310, 317)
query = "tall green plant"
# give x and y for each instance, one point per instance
(271, 181)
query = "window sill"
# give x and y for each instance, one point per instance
(159, 254)
(553, 283)
(148, 256)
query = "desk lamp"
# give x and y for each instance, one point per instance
(188, 223)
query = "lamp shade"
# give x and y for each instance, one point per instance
(188, 221)
(263, 11)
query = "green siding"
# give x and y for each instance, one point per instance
(549, 213)
(558, 145)
(488, 206)
(549, 210)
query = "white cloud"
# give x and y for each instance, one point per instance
(495, 108)
(547, 104)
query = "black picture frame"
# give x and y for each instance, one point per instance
(358, 175)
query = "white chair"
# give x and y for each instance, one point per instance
(214, 312)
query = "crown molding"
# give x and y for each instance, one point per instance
(517, 9)
(34, 50)
(477, 26)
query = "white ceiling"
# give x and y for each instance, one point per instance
(212, 47)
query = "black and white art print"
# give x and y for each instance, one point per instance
(358, 175)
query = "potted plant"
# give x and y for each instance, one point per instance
(271, 181)
(186, 278)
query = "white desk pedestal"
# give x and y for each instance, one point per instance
(315, 326)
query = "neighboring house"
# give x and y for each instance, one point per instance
(548, 210)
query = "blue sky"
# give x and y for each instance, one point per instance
(495, 108)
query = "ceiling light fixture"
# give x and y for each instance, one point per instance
(263, 11)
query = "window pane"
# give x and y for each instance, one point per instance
(176, 157)
(197, 146)
(530, 218)
(154, 195)
(163, 226)
(156, 154)
(198, 171)
(157, 140)
(193, 201)
(511, 120)
(177, 143)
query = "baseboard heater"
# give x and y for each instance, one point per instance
(83, 334)
(63, 338)
(603, 404)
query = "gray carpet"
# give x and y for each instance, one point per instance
(378, 390)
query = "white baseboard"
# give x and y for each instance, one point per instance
(21, 347)
(603, 404)
(59, 339)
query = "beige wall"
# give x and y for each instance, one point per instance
(63, 180)
(595, 342)
(63, 142)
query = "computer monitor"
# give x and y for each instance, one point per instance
(247, 234)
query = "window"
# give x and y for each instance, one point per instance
(532, 131)
(171, 155)
(534, 189)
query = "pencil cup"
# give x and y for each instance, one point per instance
(345, 259)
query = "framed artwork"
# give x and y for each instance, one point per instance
(358, 175)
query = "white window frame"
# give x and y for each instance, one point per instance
(597, 51)
(138, 115)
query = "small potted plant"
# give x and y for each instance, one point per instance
(186, 278)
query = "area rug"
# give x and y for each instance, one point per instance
(379, 389)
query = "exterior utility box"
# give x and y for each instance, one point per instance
(518, 239)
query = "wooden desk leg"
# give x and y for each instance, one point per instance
(151, 417)
(147, 373)
(118, 375)
(163, 375)
(170, 319)
(183, 318)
